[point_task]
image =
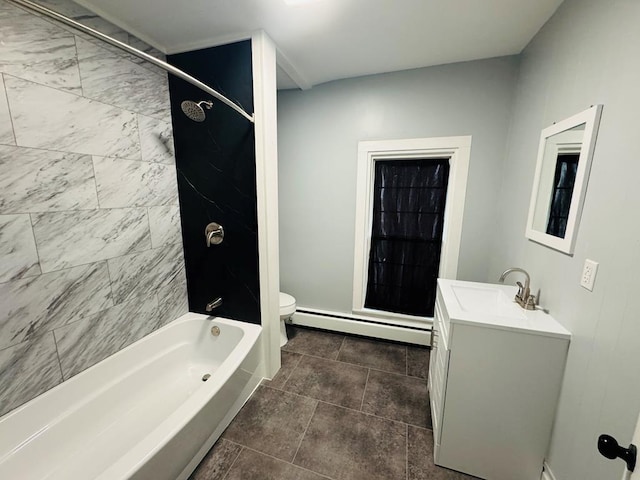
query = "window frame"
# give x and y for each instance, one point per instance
(458, 150)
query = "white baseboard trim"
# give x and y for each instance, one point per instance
(547, 474)
(338, 322)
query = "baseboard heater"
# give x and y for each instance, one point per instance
(360, 325)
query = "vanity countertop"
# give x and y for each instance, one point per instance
(493, 305)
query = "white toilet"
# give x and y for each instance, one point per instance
(287, 308)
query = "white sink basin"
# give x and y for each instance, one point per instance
(493, 305)
(486, 300)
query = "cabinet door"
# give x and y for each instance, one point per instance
(438, 368)
(501, 393)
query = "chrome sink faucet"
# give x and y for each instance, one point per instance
(523, 297)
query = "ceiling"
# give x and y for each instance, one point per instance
(323, 40)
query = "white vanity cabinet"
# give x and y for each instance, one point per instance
(494, 381)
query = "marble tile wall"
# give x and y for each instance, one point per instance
(91, 254)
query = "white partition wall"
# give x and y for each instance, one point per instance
(265, 108)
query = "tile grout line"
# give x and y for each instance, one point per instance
(95, 181)
(55, 342)
(406, 453)
(43, 212)
(281, 460)
(149, 225)
(35, 244)
(364, 391)
(347, 408)
(75, 47)
(6, 96)
(139, 135)
(406, 361)
(228, 441)
(82, 210)
(234, 461)
(89, 263)
(350, 363)
(91, 99)
(305, 432)
(113, 293)
(344, 339)
(69, 152)
(292, 370)
(323, 401)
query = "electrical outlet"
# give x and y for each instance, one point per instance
(589, 274)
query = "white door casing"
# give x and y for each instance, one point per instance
(636, 441)
(458, 150)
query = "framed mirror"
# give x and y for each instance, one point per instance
(560, 182)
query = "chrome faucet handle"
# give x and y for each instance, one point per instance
(530, 302)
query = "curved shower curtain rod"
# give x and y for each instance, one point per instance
(134, 51)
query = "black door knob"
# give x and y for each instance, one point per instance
(608, 447)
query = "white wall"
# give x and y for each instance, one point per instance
(318, 135)
(586, 54)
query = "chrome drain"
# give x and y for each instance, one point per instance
(206, 377)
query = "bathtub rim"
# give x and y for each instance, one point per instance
(156, 438)
(174, 423)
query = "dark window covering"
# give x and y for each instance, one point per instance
(408, 216)
(563, 183)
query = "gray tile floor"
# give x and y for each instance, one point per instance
(340, 408)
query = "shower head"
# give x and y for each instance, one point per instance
(195, 111)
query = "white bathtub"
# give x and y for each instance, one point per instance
(143, 413)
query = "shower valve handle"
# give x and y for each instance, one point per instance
(214, 234)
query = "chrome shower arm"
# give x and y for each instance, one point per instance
(133, 51)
